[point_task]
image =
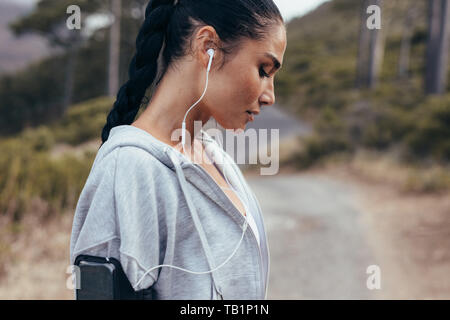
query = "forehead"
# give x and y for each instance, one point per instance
(274, 43)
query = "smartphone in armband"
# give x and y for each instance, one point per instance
(103, 278)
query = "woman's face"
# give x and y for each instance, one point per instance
(245, 83)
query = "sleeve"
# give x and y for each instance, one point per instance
(94, 226)
(137, 216)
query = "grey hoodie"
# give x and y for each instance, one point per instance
(146, 204)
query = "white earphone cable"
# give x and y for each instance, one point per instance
(245, 204)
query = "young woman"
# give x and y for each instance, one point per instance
(179, 228)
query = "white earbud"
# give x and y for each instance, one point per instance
(211, 56)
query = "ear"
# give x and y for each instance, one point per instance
(206, 38)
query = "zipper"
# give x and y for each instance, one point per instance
(248, 227)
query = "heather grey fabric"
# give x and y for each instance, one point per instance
(146, 204)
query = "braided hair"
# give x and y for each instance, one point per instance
(170, 24)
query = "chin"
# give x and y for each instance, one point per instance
(236, 127)
(227, 125)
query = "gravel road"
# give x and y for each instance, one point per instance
(316, 240)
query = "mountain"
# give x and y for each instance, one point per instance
(16, 53)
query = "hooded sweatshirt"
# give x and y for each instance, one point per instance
(146, 204)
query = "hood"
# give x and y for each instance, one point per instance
(127, 135)
(121, 136)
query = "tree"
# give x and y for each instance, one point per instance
(403, 61)
(370, 48)
(49, 19)
(362, 43)
(437, 46)
(33, 96)
(114, 49)
(376, 52)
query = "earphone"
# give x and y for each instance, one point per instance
(210, 52)
(245, 204)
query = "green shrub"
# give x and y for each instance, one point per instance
(330, 137)
(40, 138)
(28, 171)
(26, 174)
(431, 132)
(83, 122)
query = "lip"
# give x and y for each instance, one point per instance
(255, 111)
(251, 117)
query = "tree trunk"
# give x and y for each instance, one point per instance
(362, 45)
(443, 47)
(403, 62)
(114, 49)
(437, 46)
(376, 51)
(72, 51)
(68, 79)
(371, 49)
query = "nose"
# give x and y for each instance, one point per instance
(268, 95)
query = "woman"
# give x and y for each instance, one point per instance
(178, 228)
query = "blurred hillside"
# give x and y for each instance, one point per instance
(41, 93)
(318, 83)
(49, 164)
(17, 53)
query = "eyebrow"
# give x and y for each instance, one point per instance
(274, 60)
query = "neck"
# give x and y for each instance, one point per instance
(166, 111)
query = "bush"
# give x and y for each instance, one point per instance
(330, 137)
(83, 122)
(27, 170)
(27, 174)
(431, 133)
(40, 139)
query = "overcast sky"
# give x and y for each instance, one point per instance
(293, 8)
(288, 8)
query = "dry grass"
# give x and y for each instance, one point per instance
(63, 148)
(409, 233)
(37, 256)
(386, 168)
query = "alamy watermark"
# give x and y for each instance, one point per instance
(73, 22)
(263, 146)
(374, 278)
(374, 20)
(74, 280)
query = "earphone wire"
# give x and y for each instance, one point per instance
(245, 204)
(183, 125)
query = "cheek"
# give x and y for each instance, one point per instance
(236, 91)
(247, 88)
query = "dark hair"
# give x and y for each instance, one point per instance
(171, 25)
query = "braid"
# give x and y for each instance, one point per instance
(143, 66)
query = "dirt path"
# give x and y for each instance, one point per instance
(410, 235)
(317, 242)
(326, 227)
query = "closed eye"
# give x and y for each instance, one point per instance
(262, 73)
